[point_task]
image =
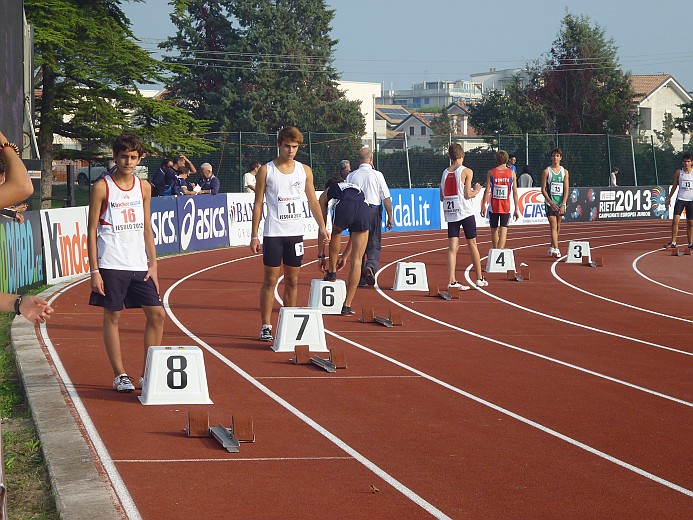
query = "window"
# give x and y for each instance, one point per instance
(411, 130)
(427, 101)
(423, 130)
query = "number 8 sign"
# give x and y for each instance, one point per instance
(175, 375)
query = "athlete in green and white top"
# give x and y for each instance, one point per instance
(554, 187)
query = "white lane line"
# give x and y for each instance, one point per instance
(116, 481)
(522, 419)
(610, 300)
(411, 495)
(234, 459)
(635, 268)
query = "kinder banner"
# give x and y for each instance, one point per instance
(65, 243)
(21, 257)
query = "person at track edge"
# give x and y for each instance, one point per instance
(554, 188)
(122, 255)
(284, 184)
(457, 194)
(683, 180)
(350, 212)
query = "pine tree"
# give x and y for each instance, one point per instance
(88, 68)
(261, 64)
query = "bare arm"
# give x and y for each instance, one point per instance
(96, 201)
(260, 186)
(485, 195)
(34, 308)
(674, 185)
(566, 187)
(515, 197)
(17, 186)
(315, 206)
(149, 246)
(469, 192)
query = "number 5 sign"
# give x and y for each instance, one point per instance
(175, 375)
(410, 276)
(300, 326)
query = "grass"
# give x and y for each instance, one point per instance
(29, 493)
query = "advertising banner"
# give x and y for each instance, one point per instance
(415, 209)
(202, 222)
(65, 243)
(636, 202)
(164, 219)
(21, 256)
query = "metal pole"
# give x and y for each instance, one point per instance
(632, 152)
(310, 151)
(375, 150)
(406, 150)
(240, 162)
(654, 159)
(608, 153)
(526, 148)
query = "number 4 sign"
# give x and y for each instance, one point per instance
(500, 261)
(175, 375)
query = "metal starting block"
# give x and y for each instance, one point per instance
(514, 276)
(680, 251)
(336, 360)
(242, 427)
(394, 318)
(226, 438)
(448, 295)
(597, 262)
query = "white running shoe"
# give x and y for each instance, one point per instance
(481, 282)
(266, 333)
(557, 253)
(551, 250)
(458, 285)
(122, 383)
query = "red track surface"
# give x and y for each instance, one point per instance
(525, 400)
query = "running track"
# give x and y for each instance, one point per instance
(569, 395)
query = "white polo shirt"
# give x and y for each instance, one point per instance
(371, 182)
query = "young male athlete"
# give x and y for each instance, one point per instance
(456, 193)
(284, 184)
(683, 180)
(554, 187)
(500, 182)
(350, 212)
(122, 254)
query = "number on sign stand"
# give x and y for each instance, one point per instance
(175, 375)
(577, 251)
(327, 297)
(300, 326)
(500, 261)
(410, 276)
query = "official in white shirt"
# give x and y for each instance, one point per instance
(377, 195)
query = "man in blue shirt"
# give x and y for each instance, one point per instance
(208, 183)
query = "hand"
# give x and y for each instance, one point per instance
(483, 211)
(477, 187)
(322, 264)
(152, 273)
(389, 223)
(255, 246)
(97, 283)
(325, 234)
(341, 262)
(19, 218)
(35, 309)
(561, 209)
(517, 214)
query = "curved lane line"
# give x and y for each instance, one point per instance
(118, 485)
(411, 495)
(635, 268)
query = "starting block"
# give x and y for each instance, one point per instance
(198, 424)
(394, 318)
(597, 262)
(577, 252)
(300, 326)
(226, 438)
(514, 276)
(450, 294)
(500, 261)
(337, 359)
(410, 276)
(680, 251)
(174, 375)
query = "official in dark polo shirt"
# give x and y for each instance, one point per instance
(208, 183)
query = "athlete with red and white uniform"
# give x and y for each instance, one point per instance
(501, 181)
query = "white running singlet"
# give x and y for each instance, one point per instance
(120, 234)
(285, 195)
(685, 186)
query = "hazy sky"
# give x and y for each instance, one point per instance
(401, 42)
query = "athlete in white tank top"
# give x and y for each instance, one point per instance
(120, 238)
(285, 195)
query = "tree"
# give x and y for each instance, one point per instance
(666, 134)
(515, 111)
(581, 83)
(684, 124)
(263, 64)
(441, 126)
(88, 68)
